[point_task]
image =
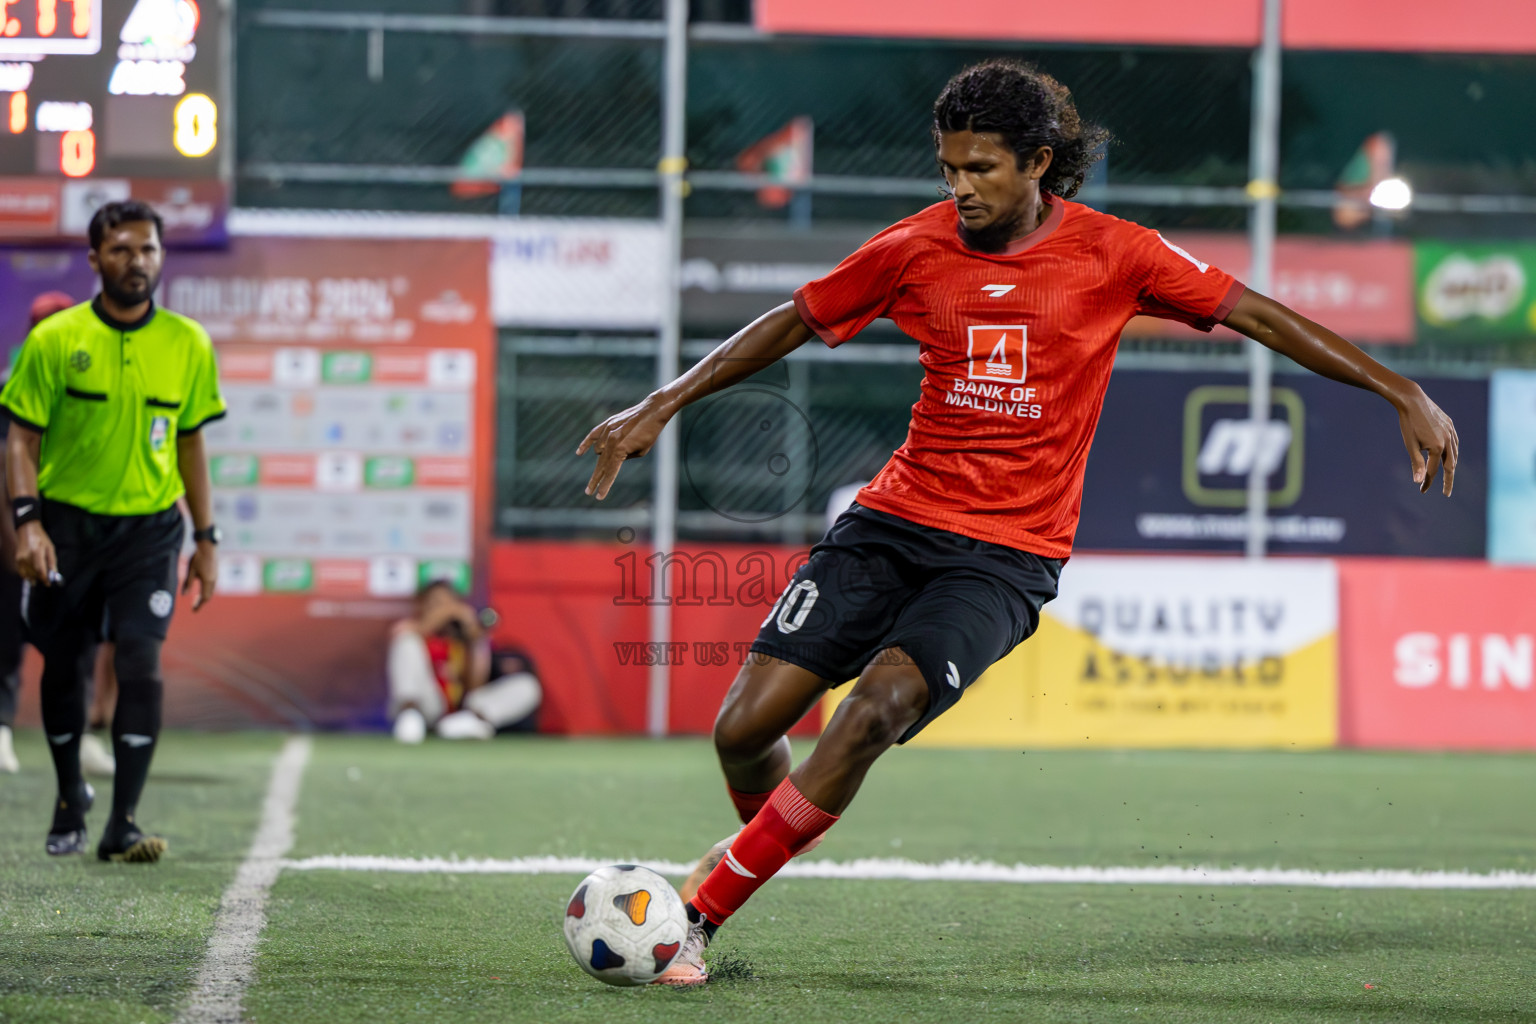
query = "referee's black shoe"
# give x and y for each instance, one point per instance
(67, 833)
(124, 842)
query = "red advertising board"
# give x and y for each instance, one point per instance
(1477, 26)
(29, 208)
(582, 611)
(1437, 655)
(1361, 290)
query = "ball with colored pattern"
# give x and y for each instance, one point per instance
(624, 924)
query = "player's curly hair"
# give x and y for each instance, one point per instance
(1029, 109)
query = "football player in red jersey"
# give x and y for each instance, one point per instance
(1017, 298)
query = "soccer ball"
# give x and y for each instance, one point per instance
(624, 924)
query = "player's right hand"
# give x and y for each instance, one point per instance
(625, 435)
(36, 561)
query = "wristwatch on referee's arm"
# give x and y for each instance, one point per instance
(211, 533)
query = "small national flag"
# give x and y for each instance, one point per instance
(1371, 164)
(492, 159)
(783, 156)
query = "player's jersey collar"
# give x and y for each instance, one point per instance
(1058, 210)
(111, 321)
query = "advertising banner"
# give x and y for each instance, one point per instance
(1481, 26)
(1512, 469)
(1164, 652)
(582, 611)
(1360, 290)
(1170, 463)
(732, 275)
(1437, 655)
(1475, 290)
(355, 461)
(45, 209)
(553, 272)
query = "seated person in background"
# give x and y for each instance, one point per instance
(440, 673)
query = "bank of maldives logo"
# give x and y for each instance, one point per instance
(1222, 445)
(996, 352)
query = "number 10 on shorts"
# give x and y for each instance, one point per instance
(793, 606)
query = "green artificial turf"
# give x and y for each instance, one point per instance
(665, 800)
(82, 941)
(359, 947)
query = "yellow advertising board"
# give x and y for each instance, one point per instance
(1163, 652)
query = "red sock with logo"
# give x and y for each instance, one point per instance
(748, 804)
(779, 831)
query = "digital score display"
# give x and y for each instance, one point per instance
(101, 99)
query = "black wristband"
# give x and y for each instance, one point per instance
(25, 510)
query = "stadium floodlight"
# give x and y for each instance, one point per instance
(1392, 194)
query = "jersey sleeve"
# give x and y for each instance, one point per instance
(857, 292)
(1175, 285)
(35, 384)
(204, 402)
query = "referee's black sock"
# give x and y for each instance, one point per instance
(136, 725)
(63, 700)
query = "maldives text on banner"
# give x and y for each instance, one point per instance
(1164, 652)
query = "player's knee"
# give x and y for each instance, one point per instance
(873, 717)
(137, 661)
(738, 737)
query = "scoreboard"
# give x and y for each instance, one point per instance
(103, 99)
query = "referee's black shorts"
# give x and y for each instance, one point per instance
(118, 570)
(954, 604)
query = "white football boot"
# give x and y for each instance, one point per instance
(95, 758)
(410, 726)
(8, 762)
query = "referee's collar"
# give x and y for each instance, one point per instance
(100, 309)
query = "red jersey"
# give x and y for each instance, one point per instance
(1016, 349)
(447, 657)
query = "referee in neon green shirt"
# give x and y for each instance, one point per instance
(106, 404)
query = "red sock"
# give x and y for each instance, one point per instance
(748, 804)
(777, 833)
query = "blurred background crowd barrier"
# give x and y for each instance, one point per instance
(437, 242)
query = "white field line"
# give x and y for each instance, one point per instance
(959, 871)
(227, 969)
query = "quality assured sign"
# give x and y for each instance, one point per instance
(1164, 652)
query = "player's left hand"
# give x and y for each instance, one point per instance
(204, 568)
(625, 435)
(1430, 437)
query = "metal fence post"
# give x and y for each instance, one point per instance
(664, 496)
(1264, 189)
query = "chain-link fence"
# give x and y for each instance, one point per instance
(374, 105)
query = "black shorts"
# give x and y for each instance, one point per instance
(118, 570)
(954, 604)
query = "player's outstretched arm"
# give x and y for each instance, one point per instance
(1428, 433)
(631, 433)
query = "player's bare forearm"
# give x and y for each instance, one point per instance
(631, 433)
(192, 464)
(36, 560)
(7, 527)
(1428, 433)
(22, 445)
